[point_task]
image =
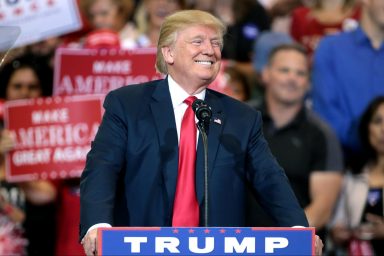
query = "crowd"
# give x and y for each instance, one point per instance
(313, 68)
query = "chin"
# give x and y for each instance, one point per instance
(209, 80)
(207, 77)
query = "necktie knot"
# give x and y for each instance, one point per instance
(190, 100)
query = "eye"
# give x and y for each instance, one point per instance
(16, 86)
(283, 70)
(377, 120)
(197, 41)
(216, 43)
(302, 73)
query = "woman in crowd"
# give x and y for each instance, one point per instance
(29, 203)
(358, 225)
(149, 17)
(281, 14)
(324, 17)
(111, 17)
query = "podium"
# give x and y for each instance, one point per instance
(205, 241)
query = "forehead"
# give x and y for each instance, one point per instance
(380, 110)
(24, 72)
(289, 56)
(102, 4)
(199, 31)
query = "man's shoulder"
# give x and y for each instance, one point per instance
(328, 138)
(313, 118)
(339, 39)
(257, 104)
(324, 128)
(137, 88)
(133, 96)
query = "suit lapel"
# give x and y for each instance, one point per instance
(163, 115)
(215, 130)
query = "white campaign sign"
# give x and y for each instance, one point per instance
(39, 19)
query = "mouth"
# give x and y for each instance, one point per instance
(205, 62)
(292, 87)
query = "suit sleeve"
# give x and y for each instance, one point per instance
(270, 182)
(103, 166)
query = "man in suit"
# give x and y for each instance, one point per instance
(131, 174)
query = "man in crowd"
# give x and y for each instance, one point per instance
(303, 144)
(348, 74)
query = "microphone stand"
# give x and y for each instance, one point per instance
(203, 113)
(203, 131)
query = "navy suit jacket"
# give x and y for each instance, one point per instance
(131, 171)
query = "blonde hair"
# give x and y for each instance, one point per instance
(179, 21)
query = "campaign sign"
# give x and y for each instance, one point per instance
(206, 241)
(89, 71)
(39, 19)
(52, 136)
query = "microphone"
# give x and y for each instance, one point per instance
(202, 110)
(204, 113)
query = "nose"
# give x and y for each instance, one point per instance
(26, 92)
(30, 94)
(98, 20)
(292, 76)
(208, 48)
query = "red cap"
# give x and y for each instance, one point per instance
(102, 38)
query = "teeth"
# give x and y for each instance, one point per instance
(204, 62)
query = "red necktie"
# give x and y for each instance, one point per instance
(186, 208)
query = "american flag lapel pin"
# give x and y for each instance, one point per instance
(217, 120)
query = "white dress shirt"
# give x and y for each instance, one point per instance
(178, 95)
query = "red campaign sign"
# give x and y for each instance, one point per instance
(90, 71)
(52, 136)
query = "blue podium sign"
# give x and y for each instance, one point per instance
(206, 241)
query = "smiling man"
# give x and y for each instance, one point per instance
(302, 143)
(146, 165)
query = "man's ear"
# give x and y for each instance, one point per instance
(167, 54)
(265, 75)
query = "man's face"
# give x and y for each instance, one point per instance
(286, 77)
(375, 9)
(194, 59)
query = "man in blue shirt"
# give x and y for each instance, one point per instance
(348, 73)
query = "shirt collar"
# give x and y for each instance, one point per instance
(178, 95)
(360, 36)
(267, 120)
